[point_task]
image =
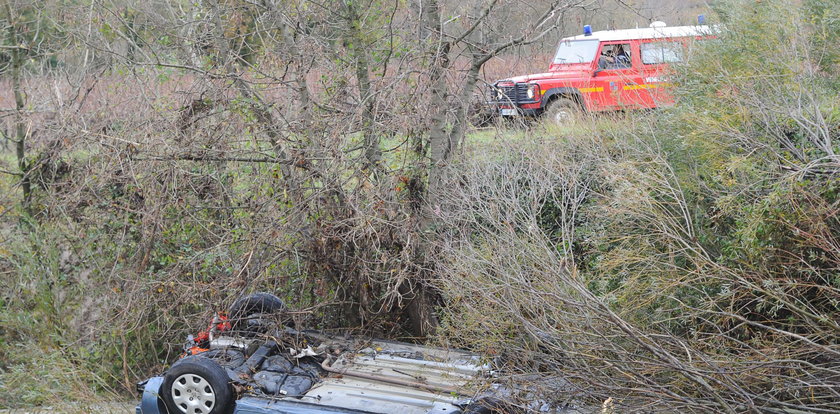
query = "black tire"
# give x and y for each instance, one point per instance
(197, 385)
(562, 112)
(245, 312)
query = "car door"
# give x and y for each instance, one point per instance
(636, 92)
(616, 77)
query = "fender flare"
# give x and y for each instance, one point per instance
(574, 93)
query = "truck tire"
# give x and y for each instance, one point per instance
(197, 385)
(246, 314)
(562, 112)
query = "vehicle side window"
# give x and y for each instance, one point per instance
(615, 56)
(661, 52)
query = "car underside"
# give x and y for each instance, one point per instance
(256, 364)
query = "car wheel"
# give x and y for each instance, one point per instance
(562, 112)
(197, 385)
(246, 312)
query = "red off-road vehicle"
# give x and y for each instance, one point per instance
(600, 71)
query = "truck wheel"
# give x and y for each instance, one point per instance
(562, 111)
(197, 385)
(245, 314)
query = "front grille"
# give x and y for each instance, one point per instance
(509, 93)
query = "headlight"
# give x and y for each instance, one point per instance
(533, 91)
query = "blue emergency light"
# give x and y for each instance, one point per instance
(701, 19)
(587, 30)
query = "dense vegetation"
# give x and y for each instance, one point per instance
(159, 161)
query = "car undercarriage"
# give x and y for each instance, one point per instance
(253, 362)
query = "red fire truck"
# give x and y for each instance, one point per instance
(600, 71)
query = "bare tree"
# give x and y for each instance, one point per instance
(14, 44)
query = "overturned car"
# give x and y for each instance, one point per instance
(253, 361)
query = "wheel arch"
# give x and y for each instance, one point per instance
(563, 92)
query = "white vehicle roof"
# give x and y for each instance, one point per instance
(657, 32)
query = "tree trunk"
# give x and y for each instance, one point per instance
(419, 292)
(20, 124)
(448, 124)
(373, 154)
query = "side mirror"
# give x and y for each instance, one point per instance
(597, 71)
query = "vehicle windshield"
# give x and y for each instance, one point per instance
(576, 51)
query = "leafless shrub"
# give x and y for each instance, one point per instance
(663, 337)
